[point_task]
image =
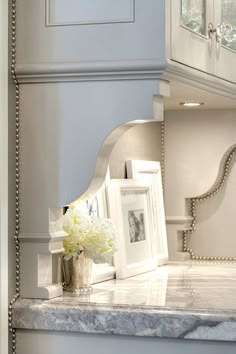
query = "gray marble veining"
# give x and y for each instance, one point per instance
(190, 301)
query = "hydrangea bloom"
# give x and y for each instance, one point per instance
(95, 236)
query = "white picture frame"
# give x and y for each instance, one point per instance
(131, 200)
(104, 271)
(150, 171)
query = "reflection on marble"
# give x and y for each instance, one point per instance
(190, 301)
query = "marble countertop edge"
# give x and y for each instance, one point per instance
(40, 306)
(187, 302)
(123, 320)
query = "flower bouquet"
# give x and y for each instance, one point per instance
(90, 239)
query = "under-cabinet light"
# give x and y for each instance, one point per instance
(191, 104)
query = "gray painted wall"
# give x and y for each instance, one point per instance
(114, 41)
(139, 143)
(32, 342)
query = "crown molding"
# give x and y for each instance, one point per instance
(145, 69)
(91, 71)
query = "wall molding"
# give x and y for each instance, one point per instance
(105, 19)
(175, 226)
(157, 68)
(90, 70)
(181, 220)
(41, 237)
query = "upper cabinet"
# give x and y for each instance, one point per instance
(203, 36)
(188, 41)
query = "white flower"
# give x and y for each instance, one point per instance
(93, 235)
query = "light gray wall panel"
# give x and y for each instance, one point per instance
(38, 342)
(79, 12)
(132, 41)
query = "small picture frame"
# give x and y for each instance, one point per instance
(97, 206)
(130, 208)
(150, 171)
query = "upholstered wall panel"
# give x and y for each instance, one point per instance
(196, 142)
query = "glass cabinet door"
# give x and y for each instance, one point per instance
(228, 24)
(225, 22)
(203, 36)
(190, 42)
(193, 15)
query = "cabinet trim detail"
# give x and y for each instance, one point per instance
(90, 70)
(88, 17)
(124, 70)
(196, 78)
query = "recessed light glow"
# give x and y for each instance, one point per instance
(191, 104)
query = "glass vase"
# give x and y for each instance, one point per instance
(77, 273)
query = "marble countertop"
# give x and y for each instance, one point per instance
(176, 301)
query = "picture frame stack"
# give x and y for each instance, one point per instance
(136, 207)
(150, 171)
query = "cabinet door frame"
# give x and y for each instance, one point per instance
(4, 176)
(186, 46)
(225, 58)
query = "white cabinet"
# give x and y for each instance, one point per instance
(193, 45)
